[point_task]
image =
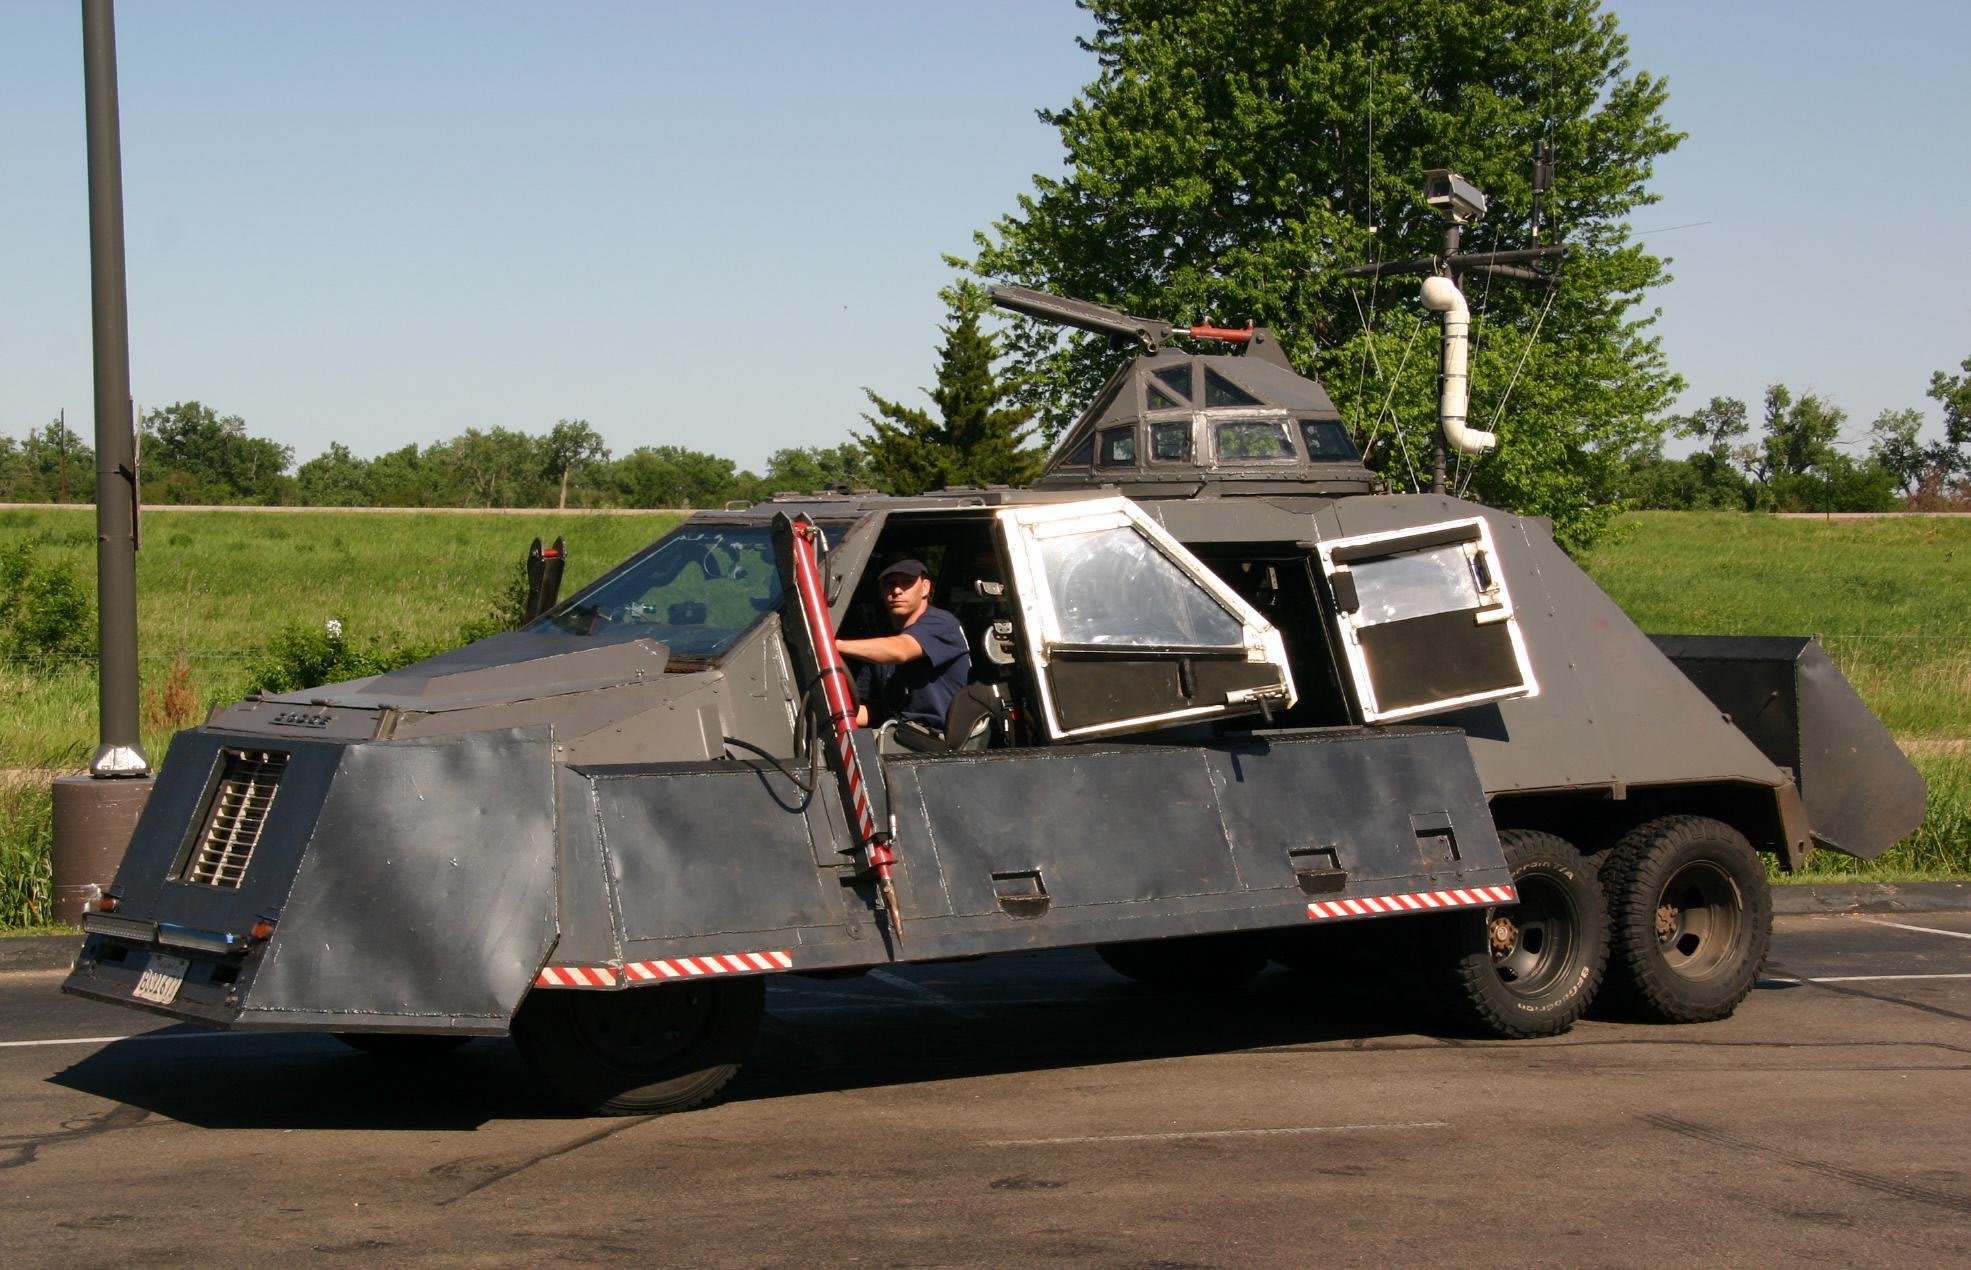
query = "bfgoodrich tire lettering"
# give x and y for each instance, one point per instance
(1531, 969)
(1690, 919)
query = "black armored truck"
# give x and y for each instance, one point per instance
(1229, 701)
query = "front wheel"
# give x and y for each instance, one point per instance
(1691, 917)
(1531, 969)
(640, 1051)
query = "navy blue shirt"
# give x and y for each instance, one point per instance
(920, 689)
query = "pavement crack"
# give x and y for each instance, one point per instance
(507, 1171)
(1858, 1177)
(22, 1149)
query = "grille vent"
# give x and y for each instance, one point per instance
(234, 821)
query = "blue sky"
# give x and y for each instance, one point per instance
(713, 225)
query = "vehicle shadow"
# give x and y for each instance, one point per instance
(1002, 1016)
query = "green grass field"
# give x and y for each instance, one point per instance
(1891, 600)
(217, 584)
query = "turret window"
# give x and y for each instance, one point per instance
(1171, 442)
(1252, 440)
(1116, 447)
(1220, 391)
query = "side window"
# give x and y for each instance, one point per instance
(1117, 447)
(1113, 587)
(1252, 440)
(1327, 441)
(1425, 619)
(1083, 452)
(1126, 631)
(1171, 442)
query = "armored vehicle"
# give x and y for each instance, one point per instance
(1229, 701)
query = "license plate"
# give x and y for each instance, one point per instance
(161, 979)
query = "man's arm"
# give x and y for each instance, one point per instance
(884, 650)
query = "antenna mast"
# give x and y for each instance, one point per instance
(1461, 203)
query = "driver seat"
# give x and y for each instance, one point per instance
(968, 726)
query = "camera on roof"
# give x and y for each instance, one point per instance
(1454, 197)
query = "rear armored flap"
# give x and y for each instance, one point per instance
(1787, 696)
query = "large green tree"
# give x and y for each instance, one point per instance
(979, 434)
(193, 454)
(572, 447)
(1232, 156)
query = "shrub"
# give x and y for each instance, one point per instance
(27, 881)
(46, 611)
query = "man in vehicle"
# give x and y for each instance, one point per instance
(910, 677)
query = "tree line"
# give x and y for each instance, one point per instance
(1799, 461)
(189, 453)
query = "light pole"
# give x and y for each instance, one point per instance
(96, 814)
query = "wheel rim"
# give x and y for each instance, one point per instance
(639, 1029)
(1699, 921)
(1533, 943)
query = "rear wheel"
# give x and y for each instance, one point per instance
(1531, 969)
(640, 1051)
(1691, 917)
(1194, 963)
(401, 1047)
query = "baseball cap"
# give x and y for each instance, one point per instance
(911, 568)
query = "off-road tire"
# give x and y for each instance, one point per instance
(640, 1051)
(1532, 968)
(1690, 917)
(1191, 964)
(401, 1047)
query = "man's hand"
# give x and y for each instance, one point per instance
(884, 650)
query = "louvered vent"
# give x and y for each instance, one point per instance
(234, 821)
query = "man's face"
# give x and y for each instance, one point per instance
(904, 595)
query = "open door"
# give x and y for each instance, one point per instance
(1126, 631)
(1424, 620)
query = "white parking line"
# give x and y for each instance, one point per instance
(1218, 1133)
(136, 1036)
(1926, 930)
(1876, 978)
(66, 1040)
(1857, 978)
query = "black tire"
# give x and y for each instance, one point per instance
(640, 1051)
(1193, 963)
(1691, 917)
(1531, 968)
(401, 1047)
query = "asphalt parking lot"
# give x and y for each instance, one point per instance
(1038, 1109)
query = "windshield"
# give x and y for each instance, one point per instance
(697, 590)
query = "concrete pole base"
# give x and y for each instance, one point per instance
(94, 818)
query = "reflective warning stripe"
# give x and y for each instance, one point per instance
(635, 972)
(1412, 902)
(575, 977)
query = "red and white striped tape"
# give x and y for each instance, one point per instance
(747, 963)
(690, 967)
(1413, 902)
(575, 977)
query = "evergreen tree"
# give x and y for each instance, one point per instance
(979, 435)
(1230, 156)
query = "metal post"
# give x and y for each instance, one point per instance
(120, 752)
